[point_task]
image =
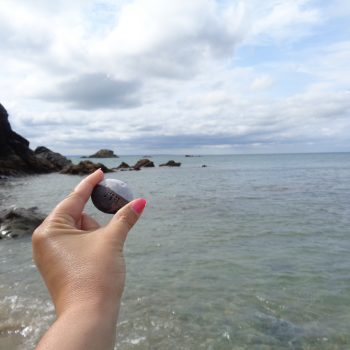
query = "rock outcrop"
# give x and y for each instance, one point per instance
(16, 157)
(143, 163)
(85, 167)
(171, 163)
(103, 153)
(57, 160)
(123, 167)
(19, 222)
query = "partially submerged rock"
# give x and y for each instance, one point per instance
(171, 163)
(103, 153)
(85, 167)
(19, 222)
(123, 165)
(143, 163)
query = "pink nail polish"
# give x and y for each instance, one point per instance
(139, 205)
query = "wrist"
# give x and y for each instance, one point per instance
(85, 325)
(93, 307)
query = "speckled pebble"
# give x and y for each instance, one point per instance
(110, 195)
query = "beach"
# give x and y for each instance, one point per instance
(249, 252)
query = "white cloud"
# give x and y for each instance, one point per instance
(262, 82)
(152, 74)
(288, 19)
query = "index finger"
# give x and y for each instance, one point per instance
(72, 206)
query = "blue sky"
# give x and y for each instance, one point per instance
(199, 76)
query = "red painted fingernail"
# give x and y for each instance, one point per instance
(138, 205)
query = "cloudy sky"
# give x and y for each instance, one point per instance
(184, 76)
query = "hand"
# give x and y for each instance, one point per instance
(82, 263)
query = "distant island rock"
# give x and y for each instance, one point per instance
(103, 153)
(19, 222)
(171, 163)
(85, 167)
(16, 158)
(191, 155)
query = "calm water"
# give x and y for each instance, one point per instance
(252, 252)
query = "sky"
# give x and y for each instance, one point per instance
(177, 77)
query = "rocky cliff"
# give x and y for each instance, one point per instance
(16, 158)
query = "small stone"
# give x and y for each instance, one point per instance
(110, 195)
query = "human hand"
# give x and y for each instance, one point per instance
(82, 263)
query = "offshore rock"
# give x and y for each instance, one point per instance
(19, 222)
(85, 167)
(103, 153)
(56, 159)
(171, 163)
(123, 165)
(143, 163)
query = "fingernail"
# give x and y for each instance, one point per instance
(138, 205)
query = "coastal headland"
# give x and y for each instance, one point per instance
(18, 159)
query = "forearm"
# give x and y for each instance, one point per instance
(83, 327)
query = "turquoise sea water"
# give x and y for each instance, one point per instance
(251, 252)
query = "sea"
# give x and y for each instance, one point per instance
(249, 252)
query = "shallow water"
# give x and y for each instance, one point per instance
(251, 252)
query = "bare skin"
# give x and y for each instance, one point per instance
(83, 267)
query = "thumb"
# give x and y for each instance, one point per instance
(121, 223)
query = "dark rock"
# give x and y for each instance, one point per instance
(103, 153)
(171, 163)
(143, 163)
(56, 159)
(19, 222)
(123, 165)
(191, 155)
(204, 166)
(85, 167)
(16, 158)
